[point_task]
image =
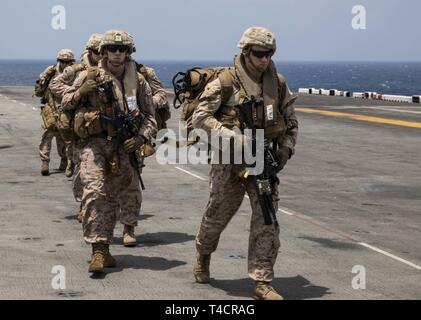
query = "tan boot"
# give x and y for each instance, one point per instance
(70, 168)
(129, 239)
(99, 251)
(109, 261)
(264, 291)
(201, 268)
(63, 164)
(45, 168)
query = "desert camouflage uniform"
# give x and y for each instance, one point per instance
(227, 189)
(160, 100)
(49, 134)
(103, 191)
(59, 85)
(129, 216)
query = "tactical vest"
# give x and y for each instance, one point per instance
(268, 115)
(88, 118)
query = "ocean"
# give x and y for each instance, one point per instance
(402, 78)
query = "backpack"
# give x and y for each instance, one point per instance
(189, 85)
(41, 86)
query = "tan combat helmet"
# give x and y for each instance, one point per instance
(65, 55)
(119, 38)
(131, 37)
(94, 41)
(258, 36)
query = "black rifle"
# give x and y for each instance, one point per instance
(126, 126)
(266, 182)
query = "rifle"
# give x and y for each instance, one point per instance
(266, 182)
(126, 126)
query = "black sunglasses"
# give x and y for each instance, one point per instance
(94, 51)
(65, 61)
(261, 54)
(114, 49)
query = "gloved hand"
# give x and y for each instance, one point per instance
(87, 87)
(147, 150)
(133, 144)
(282, 154)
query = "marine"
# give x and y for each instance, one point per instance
(162, 114)
(162, 108)
(253, 78)
(59, 85)
(160, 100)
(50, 110)
(102, 96)
(90, 58)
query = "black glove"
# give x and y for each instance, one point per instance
(283, 155)
(133, 144)
(87, 87)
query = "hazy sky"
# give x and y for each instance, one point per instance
(209, 30)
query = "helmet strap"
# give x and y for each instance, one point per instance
(246, 51)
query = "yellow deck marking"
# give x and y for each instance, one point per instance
(359, 117)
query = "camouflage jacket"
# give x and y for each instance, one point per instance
(143, 99)
(160, 100)
(210, 102)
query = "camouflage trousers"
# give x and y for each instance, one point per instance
(227, 192)
(126, 214)
(65, 127)
(45, 145)
(77, 182)
(103, 190)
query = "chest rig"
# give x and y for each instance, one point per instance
(112, 99)
(266, 98)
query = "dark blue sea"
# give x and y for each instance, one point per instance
(403, 78)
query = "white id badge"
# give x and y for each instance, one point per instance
(269, 113)
(132, 103)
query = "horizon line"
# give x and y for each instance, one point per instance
(229, 60)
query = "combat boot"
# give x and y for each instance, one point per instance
(70, 168)
(109, 261)
(129, 239)
(99, 251)
(63, 164)
(201, 268)
(45, 168)
(264, 291)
